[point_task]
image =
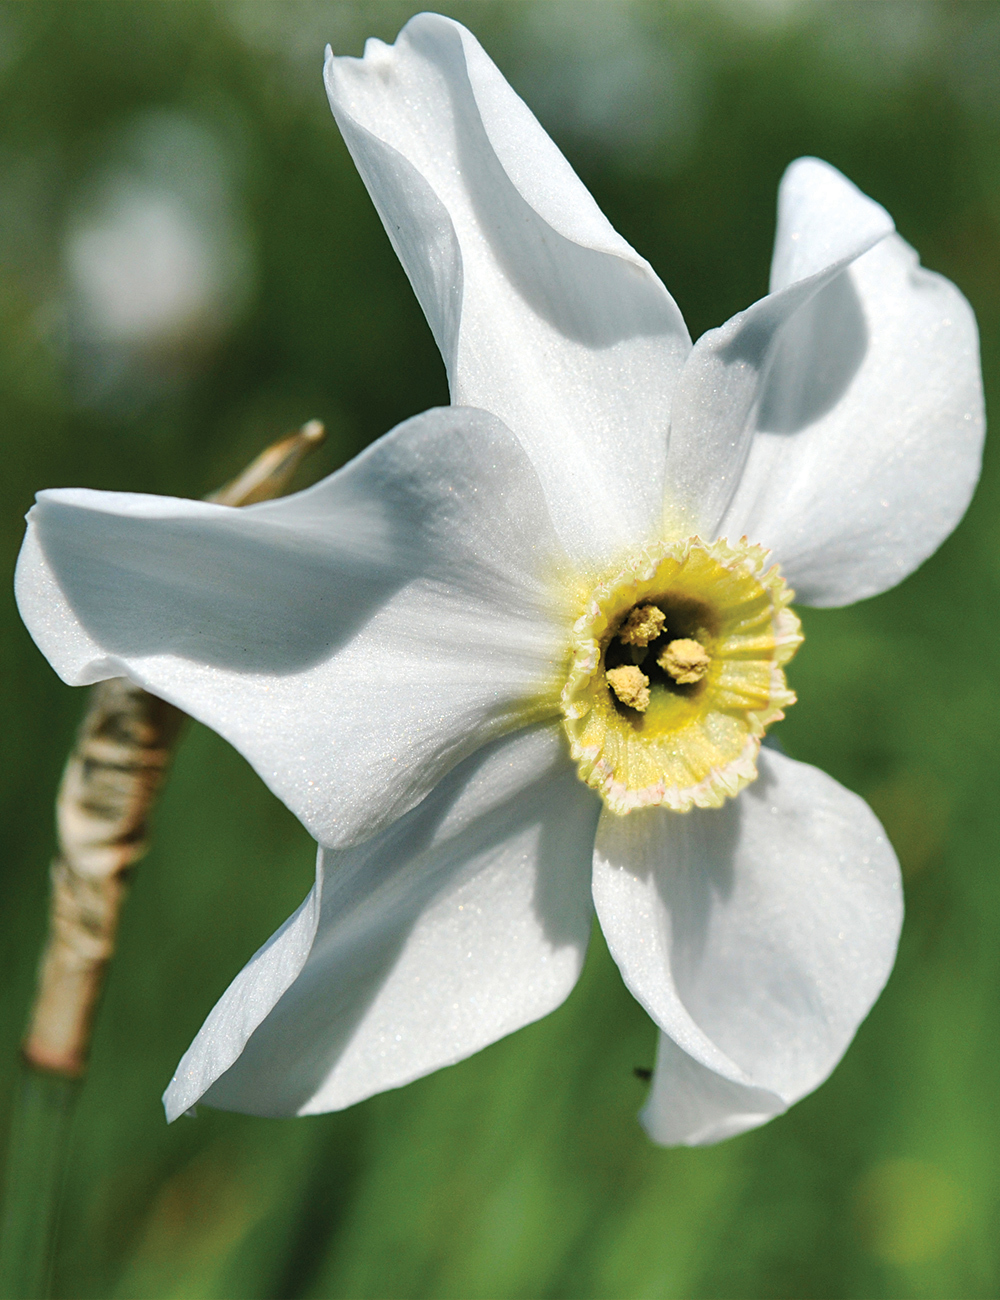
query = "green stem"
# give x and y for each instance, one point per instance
(37, 1156)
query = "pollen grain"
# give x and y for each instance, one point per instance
(630, 685)
(686, 660)
(644, 624)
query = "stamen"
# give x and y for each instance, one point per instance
(644, 624)
(631, 685)
(685, 660)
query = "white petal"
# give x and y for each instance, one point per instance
(757, 936)
(870, 430)
(259, 985)
(544, 315)
(824, 224)
(821, 217)
(354, 642)
(691, 1105)
(464, 921)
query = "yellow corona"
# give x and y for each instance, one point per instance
(677, 671)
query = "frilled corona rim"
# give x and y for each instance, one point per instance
(675, 742)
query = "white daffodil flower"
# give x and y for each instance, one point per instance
(520, 654)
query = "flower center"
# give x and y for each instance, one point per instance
(677, 673)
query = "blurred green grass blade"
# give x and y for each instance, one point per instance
(34, 1174)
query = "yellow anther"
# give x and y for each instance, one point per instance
(644, 624)
(631, 685)
(685, 660)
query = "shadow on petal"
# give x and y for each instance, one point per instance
(208, 589)
(591, 297)
(447, 931)
(695, 884)
(818, 353)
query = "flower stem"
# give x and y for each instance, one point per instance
(108, 789)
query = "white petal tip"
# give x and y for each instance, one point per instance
(717, 1131)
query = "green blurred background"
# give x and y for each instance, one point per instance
(190, 267)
